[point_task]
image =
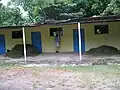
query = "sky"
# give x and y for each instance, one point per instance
(5, 2)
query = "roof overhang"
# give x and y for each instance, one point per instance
(82, 20)
(14, 27)
(99, 19)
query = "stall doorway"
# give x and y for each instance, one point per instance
(76, 41)
(36, 41)
(2, 44)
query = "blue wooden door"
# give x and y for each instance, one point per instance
(36, 41)
(2, 44)
(76, 41)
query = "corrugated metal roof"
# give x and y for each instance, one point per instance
(82, 20)
(12, 27)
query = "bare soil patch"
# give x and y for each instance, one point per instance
(21, 78)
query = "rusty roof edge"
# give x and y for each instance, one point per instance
(17, 26)
(82, 20)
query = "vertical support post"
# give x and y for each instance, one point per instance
(79, 34)
(24, 42)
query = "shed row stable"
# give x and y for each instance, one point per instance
(77, 36)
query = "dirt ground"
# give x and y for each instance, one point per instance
(22, 78)
(63, 58)
(42, 78)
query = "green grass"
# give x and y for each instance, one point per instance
(110, 69)
(97, 68)
(5, 66)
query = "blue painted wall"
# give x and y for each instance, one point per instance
(36, 41)
(2, 44)
(76, 41)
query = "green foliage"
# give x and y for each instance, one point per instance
(10, 16)
(113, 8)
(91, 7)
(33, 7)
(39, 10)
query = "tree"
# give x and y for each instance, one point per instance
(10, 16)
(91, 7)
(43, 9)
(113, 8)
(39, 10)
(33, 7)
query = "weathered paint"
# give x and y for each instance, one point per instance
(93, 41)
(9, 42)
(48, 44)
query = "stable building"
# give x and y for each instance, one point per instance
(94, 32)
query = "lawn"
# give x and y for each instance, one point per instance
(111, 69)
(101, 77)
